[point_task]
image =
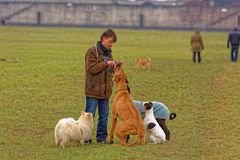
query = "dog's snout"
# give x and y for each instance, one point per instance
(117, 64)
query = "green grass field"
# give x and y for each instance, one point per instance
(43, 81)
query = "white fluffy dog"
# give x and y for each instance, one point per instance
(157, 135)
(68, 129)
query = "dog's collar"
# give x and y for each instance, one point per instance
(121, 89)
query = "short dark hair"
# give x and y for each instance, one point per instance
(109, 33)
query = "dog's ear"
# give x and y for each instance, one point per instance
(82, 113)
(89, 116)
(124, 76)
(148, 105)
(128, 89)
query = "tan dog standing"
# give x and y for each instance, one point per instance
(144, 63)
(124, 108)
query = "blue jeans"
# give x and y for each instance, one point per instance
(234, 53)
(103, 111)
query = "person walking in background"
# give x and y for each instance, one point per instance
(99, 68)
(234, 40)
(197, 45)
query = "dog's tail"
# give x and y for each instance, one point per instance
(56, 135)
(133, 142)
(140, 135)
(172, 116)
(137, 137)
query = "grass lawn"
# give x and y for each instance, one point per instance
(42, 81)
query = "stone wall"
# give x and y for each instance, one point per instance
(119, 15)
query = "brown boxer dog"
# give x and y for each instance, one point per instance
(124, 108)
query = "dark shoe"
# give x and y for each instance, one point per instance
(103, 142)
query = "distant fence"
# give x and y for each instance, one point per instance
(117, 15)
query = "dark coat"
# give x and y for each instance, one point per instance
(234, 38)
(98, 82)
(197, 42)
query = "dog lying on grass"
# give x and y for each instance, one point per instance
(68, 129)
(123, 108)
(144, 63)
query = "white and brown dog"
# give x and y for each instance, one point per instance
(68, 129)
(157, 135)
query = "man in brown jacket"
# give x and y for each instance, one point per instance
(99, 67)
(197, 45)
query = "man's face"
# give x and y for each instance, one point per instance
(107, 42)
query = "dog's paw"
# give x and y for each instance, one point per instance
(110, 142)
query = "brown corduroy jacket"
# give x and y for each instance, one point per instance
(98, 78)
